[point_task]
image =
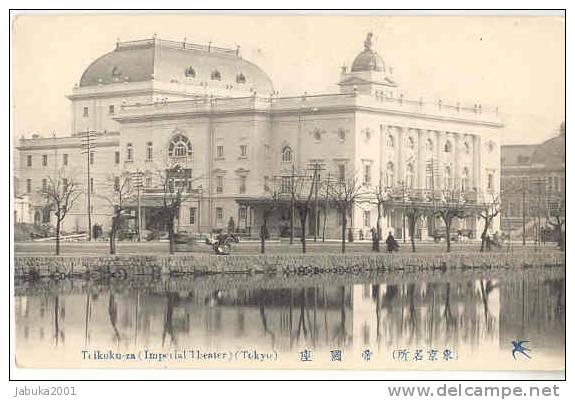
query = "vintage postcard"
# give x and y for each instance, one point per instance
(288, 191)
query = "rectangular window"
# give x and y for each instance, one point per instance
(220, 151)
(91, 185)
(243, 150)
(150, 152)
(64, 159)
(111, 109)
(44, 160)
(219, 214)
(64, 184)
(117, 157)
(286, 184)
(367, 218)
(193, 211)
(219, 184)
(28, 185)
(490, 183)
(242, 184)
(44, 185)
(28, 161)
(117, 183)
(92, 156)
(85, 114)
(341, 172)
(367, 174)
(129, 152)
(148, 181)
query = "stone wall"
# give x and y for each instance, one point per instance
(124, 266)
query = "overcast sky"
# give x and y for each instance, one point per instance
(515, 63)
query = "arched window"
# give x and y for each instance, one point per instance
(216, 75)
(429, 145)
(447, 178)
(465, 180)
(410, 142)
(389, 175)
(180, 146)
(287, 154)
(390, 141)
(190, 72)
(447, 147)
(409, 176)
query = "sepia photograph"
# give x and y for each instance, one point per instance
(288, 191)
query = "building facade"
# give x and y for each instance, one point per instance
(151, 105)
(532, 186)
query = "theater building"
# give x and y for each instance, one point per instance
(152, 104)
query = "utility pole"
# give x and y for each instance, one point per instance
(523, 205)
(316, 169)
(87, 146)
(138, 181)
(403, 234)
(292, 214)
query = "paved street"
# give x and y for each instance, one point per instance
(84, 248)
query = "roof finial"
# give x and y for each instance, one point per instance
(368, 42)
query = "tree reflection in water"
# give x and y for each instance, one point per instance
(466, 312)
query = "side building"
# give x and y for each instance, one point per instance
(533, 187)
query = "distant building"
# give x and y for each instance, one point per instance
(153, 103)
(532, 184)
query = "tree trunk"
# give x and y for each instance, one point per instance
(378, 228)
(324, 222)
(303, 220)
(343, 229)
(484, 236)
(263, 231)
(412, 223)
(58, 222)
(171, 236)
(447, 221)
(113, 235)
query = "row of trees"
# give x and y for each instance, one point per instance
(62, 193)
(342, 193)
(304, 193)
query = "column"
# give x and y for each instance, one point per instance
(399, 155)
(438, 164)
(420, 181)
(477, 163)
(456, 162)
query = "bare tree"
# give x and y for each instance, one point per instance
(61, 194)
(343, 194)
(176, 188)
(122, 190)
(490, 207)
(305, 189)
(556, 218)
(270, 203)
(451, 205)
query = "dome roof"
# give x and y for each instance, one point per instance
(551, 153)
(169, 61)
(368, 60)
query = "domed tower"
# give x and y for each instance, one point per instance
(156, 70)
(369, 74)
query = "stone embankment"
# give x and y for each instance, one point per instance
(130, 266)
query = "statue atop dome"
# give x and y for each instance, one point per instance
(367, 43)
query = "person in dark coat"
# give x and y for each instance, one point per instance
(391, 243)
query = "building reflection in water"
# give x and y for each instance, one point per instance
(461, 314)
